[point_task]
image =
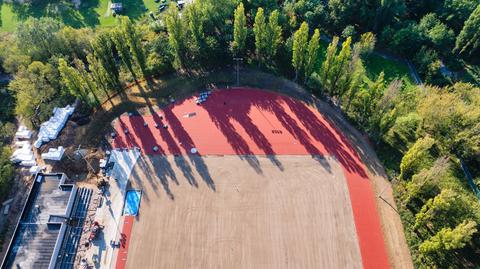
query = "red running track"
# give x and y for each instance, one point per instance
(124, 242)
(249, 121)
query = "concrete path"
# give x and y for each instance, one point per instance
(109, 213)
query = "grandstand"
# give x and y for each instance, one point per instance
(48, 231)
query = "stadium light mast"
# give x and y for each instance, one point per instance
(238, 60)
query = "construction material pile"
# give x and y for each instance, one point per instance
(49, 130)
(23, 133)
(54, 154)
(23, 154)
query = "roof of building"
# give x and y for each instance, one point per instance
(40, 230)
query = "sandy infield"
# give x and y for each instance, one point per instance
(242, 212)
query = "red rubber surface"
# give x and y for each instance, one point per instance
(124, 242)
(249, 121)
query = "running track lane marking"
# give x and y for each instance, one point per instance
(124, 242)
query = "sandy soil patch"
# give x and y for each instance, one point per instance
(225, 212)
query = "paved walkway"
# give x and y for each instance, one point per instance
(109, 213)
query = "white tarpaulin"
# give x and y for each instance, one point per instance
(50, 129)
(54, 154)
(23, 133)
(34, 169)
(23, 154)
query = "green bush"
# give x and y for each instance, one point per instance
(403, 132)
(6, 172)
(419, 156)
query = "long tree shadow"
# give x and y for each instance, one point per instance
(335, 118)
(175, 149)
(222, 112)
(127, 139)
(138, 179)
(334, 142)
(292, 126)
(171, 143)
(221, 118)
(339, 147)
(187, 144)
(357, 140)
(148, 141)
(162, 172)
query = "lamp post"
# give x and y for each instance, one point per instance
(238, 60)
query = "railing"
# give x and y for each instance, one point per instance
(469, 177)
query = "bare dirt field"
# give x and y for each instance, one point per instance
(242, 212)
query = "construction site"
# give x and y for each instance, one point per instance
(236, 178)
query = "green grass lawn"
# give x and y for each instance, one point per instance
(392, 69)
(92, 13)
(375, 64)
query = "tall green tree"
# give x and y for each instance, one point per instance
(7, 171)
(366, 44)
(404, 131)
(37, 91)
(261, 35)
(239, 31)
(419, 156)
(38, 37)
(133, 39)
(99, 74)
(437, 32)
(194, 19)
(87, 78)
(72, 80)
(366, 103)
(300, 44)
(340, 68)
(312, 62)
(449, 239)
(335, 68)
(426, 184)
(123, 51)
(447, 209)
(274, 31)
(78, 82)
(468, 41)
(103, 50)
(329, 63)
(176, 36)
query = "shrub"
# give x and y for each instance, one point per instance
(419, 156)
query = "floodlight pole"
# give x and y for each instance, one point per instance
(238, 60)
